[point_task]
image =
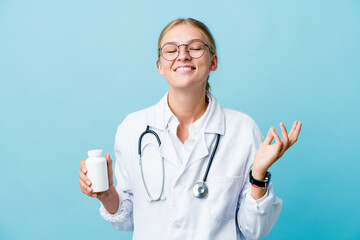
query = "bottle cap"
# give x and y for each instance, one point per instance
(95, 153)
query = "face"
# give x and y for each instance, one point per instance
(185, 72)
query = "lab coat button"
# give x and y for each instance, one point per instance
(181, 185)
(177, 225)
(190, 142)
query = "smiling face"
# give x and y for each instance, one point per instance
(185, 72)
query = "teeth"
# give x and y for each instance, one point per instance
(184, 69)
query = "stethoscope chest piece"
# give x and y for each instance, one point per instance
(200, 190)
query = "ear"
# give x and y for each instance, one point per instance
(160, 67)
(214, 63)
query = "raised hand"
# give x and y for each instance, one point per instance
(269, 153)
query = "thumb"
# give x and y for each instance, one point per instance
(110, 170)
(108, 159)
(269, 136)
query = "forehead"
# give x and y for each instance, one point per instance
(182, 33)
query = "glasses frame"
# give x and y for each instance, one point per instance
(186, 48)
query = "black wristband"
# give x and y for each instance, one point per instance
(263, 184)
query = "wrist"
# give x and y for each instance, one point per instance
(110, 200)
(109, 194)
(259, 174)
(256, 183)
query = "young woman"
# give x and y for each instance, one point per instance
(187, 168)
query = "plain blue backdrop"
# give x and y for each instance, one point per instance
(70, 71)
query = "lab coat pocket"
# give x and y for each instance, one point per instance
(223, 197)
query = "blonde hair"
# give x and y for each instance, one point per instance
(205, 32)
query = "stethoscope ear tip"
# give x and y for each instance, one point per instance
(163, 197)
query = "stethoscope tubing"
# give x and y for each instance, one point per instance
(200, 188)
(211, 158)
(161, 196)
(145, 132)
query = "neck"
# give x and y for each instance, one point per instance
(188, 106)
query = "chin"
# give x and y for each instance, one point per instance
(187, 85)
(185, 81)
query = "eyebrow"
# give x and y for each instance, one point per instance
(191, 40)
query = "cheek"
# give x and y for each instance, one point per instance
(205, 65)
(163, 67)
(160, 70)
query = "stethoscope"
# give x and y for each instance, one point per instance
(200, 189)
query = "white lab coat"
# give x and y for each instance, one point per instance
(228, 212)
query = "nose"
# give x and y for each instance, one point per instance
(183, 54)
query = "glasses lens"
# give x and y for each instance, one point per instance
(196, 49)
(169, 51)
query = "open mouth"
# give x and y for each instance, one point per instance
(184, 69)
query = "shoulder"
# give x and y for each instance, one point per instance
(152, 116)
(138, 116)
(129, 130)
(240, 123)
(235, 122)
(136, 119)
(235, 117)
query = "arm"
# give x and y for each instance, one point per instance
(268, 154)
(116, 203)
(120, 213)
(260, 208)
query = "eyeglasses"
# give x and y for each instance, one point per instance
(171, 51)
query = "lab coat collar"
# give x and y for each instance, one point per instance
(213, 123)
(155, 115)
(171, 121)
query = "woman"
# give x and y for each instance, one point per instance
(200, 142)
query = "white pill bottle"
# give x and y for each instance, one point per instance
(97, 170)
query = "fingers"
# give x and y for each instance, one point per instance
(277, 149)
(269, 136)
(295, 131)
(84, 182)
(84, 178)
(83, 166)
(285, 139)
(86, 189)
(278, 141)
(293, 128)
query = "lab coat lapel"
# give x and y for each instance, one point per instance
(168, 152)
(199, 151)
(155, 115)
(214, 124)
(156, 120)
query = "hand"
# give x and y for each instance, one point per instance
(85, 183)
(269, 153)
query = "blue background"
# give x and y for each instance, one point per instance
(70, 71)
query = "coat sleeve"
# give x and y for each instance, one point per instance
(256, 217)
(123, 218)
